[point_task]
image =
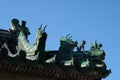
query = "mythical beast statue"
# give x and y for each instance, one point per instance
(23, 48)
(83, 60)
(14, 46)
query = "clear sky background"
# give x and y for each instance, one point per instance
(88, 20)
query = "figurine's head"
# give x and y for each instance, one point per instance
(14, 23)
(68, 42)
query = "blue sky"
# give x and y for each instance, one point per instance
(88, 20)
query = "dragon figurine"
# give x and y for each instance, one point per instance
(23, 47)
(83, 60)
(14, 45)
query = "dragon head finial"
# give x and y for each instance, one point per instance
(67, 41)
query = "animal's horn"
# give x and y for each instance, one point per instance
(67, 36)
(41, 26)
(44, 27)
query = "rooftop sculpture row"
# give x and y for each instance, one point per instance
(14, 46)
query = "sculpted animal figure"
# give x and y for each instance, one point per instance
(32, 51)
(64, 56)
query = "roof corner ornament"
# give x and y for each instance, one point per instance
(15, 46)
